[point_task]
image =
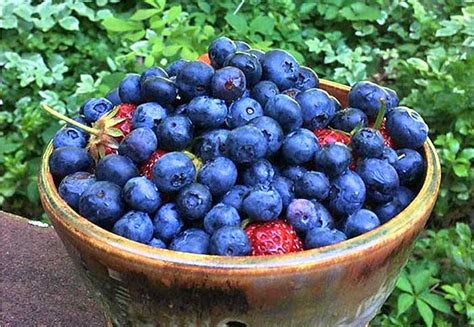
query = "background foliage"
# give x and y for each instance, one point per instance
(64, 52)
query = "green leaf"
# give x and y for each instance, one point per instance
(113, 24)
(173, 13)
(405, 301)
(450, 28)
(69, 23)
(436, 302)
(143, 14)
(425, 312)
(262, 24)
(238, 23)
(360, 11)
(421, 279)
(461, 170)
(403, 283)
(418, 63)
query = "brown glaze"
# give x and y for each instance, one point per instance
(339, 285)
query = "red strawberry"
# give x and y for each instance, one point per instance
(326, 135)
(274, 237)
(146, 169)
(125, 110)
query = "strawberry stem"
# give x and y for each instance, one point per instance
(71, 121)
(380, 115)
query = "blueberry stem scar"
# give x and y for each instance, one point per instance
(60, 116)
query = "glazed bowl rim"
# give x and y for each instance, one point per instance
(133, 252)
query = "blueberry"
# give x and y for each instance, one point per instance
(286, 111)
(173, 171)
(317, 107)
(246, 144)
(380, 178)
(69, 136)
(312, 185)
(235, 196)
(366, 96)
(206, 112)
(230, 241)
(194, 201)
(360, 222)
(192, 240)
(264, 91)
(228, 83)
(96, 108)
(248, 64)
(220, 49)
(257, 53)
(219, 174)
(324, 218)
(307, 79)
(271, 130)
(323, 236)
(72, 187)
(194, 79)
(219, 216)
(386, 211)
(148, 115)
(130, 89)
(212, 144)
(114, 97)
(333, 159)
(392, 100)
(175, 67)
(141, 194)
(281, 68)
(262, 203)
(101, 203)
(68, 160)
(348, 119)
(409, 166)
(292, 93)
(367, 143)
(389, 155)
(293, 173)
(116, 168)
(301, 214)
(175, 133)
(242, 46)
(167, 222)
(406, 127)
(299, 147)
(285, 187)
(158, 89)
(157, 243)
(260, 172)
(152, 72)
(139, 144)
(243, 110)
(346, 194)
(136, 226)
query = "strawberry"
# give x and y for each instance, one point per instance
(204, 58)
(274, 237)
(125, 110)
(146, 169)
(326, 135)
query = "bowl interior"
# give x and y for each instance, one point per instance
(418, 210)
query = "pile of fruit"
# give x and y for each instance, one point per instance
(240, 155)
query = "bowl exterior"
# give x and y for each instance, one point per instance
(341, 285)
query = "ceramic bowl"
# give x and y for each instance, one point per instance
(339, 285)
